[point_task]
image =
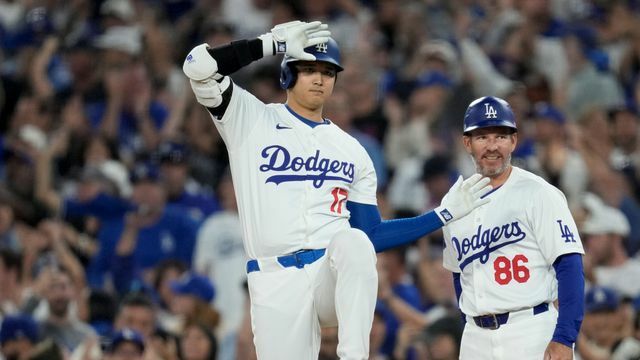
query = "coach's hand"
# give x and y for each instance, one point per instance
(463, 197)
(292, 37)
(557, 351)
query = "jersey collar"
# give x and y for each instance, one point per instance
(310, 123)
(491, 192)
(511, 175)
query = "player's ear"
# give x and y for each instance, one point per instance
(514, 139)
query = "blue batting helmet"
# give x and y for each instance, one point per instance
(489, 111)
(325, 52)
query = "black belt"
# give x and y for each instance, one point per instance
(493, 321)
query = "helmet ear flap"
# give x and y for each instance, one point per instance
(287, 76)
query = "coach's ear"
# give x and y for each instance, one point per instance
(514, 140)
(466, 141)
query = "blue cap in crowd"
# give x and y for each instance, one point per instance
(544, 110)
(126, 335)
(600, 298)
(145, 171)
(196, 285)
(15, 327)
(433, 78)
(36, 25)
(172, 152)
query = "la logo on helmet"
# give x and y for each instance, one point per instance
(490, 112)
(322, 48)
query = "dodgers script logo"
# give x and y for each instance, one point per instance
(486, 241)
(314, 168)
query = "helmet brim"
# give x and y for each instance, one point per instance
(491, 123)
(326, 61)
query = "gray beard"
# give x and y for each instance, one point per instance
(492, 173)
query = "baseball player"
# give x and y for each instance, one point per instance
(513, 257)
(306, 194)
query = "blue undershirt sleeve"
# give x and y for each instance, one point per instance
(570, 275)
(387, 234)
(457, 286)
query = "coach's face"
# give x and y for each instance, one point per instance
(314, 84)
(491, 149)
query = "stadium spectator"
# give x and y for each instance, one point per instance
(181, 192)
(126, 344)
(605, 230)
(61, 323)
(220, 255)
(11, 296)
(197, 343)
(603, 334)
(19, 334)
(193, 294)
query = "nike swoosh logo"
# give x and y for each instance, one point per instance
(280, 127)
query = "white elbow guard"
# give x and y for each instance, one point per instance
(209, 92)
(199, 65)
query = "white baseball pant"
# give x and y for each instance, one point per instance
(290, 305)
(525, 336)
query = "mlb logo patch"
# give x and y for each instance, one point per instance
(446, 215)
(281, 47)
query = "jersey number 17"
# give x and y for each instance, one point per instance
(339, 197)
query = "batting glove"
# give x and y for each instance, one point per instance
(463, 197)
(199, 65)
(292, 37)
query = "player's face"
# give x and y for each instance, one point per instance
(491, 148)
(314, 84)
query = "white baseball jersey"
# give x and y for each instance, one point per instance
(505, 250)
(291, 181)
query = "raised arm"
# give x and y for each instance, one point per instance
(207, 68)
(44, 191)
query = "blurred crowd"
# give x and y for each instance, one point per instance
(119, 234)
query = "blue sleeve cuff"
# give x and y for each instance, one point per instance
(559, 337)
